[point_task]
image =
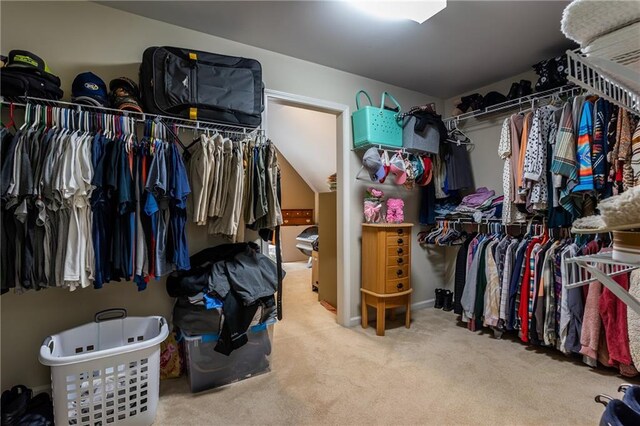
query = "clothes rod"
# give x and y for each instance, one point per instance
(140, 117)
(529, 99)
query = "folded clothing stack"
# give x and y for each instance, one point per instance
(332, 182)
(445, 207)
(482, 204)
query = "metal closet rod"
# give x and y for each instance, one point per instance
(516, 102)
(179, 122)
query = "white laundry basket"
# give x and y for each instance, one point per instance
(106, 372)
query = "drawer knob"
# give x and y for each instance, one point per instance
(400, 231)
(400, 260)
(399, 272)
(399, 251)
(400, 285)
(400, 241)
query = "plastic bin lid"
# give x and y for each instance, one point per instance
(213, 337)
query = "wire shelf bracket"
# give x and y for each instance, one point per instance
(611, 80)
(603, 268)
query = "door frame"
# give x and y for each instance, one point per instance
(343, 136)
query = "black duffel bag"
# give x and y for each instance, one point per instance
(19, 83)
(202, 86)
(26, 74)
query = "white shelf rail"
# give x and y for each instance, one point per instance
(601, 267)
(528, 100)
(609, 79)
(140, 117)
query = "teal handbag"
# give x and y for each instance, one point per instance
(376, 126)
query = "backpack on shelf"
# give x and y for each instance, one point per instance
(26, 74)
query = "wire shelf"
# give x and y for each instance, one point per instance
(568, 89)
(613, 80)
(603, 268)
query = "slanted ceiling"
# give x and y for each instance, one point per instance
(467, 45)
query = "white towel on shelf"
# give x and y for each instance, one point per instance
(585, 20)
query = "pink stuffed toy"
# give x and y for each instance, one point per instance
(395, 210)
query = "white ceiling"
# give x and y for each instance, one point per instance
(466, 46)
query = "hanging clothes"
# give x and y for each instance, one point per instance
(635, 155)
(515, 283)
(235, 186)
(504, 152)
(87, 205)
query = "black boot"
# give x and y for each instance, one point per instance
(525, 88)
(476, 102)
(439, 298)
(14, 404)
(448, 301)
(513, 92)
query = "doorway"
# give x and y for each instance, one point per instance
(313, 161)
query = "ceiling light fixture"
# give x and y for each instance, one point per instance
(418, 10)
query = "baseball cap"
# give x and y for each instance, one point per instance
(373, 163)
(125, 83)
(25, 59)
(428, 171)
(411, 174)
(89, 89)
(398, 168)
(418, 166)
(31, 63)
(124, 94)
(386, 165)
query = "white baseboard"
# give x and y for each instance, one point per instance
(414, 306)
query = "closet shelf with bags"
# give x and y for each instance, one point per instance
(567, 90)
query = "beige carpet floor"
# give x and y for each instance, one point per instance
(434, 373)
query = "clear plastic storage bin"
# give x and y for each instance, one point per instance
(209, 369)
(106, 372)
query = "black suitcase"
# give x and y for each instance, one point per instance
(204, 86)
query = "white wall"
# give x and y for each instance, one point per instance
(78, 36)
(307, 138)
(485, 133)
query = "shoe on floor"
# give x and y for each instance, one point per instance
(448, 301)
(439, 298)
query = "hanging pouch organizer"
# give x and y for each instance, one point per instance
(376, 125)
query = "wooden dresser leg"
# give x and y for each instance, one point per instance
(380, 317)
(407, 319)
(364, 317)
